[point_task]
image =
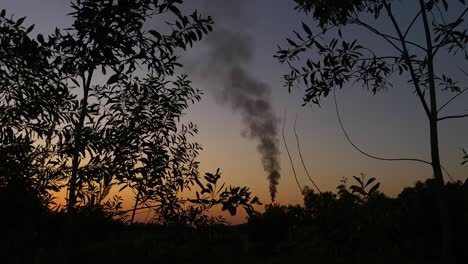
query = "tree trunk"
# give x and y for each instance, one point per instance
(76, 155)
(76, 159)
(442, 202)
(78, 138)
(447, 250)
(78, 141)
(135, 208)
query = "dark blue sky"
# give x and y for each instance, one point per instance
(390, 124)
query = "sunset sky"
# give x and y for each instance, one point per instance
(389, 124)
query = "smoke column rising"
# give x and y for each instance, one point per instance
(229, 54)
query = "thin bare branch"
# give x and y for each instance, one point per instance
(446, 172)
(451, 100)
(412, 24)
(441, 15)
(464, 72)
(375, 157)
(139, 209)
(302, 160)
(289, 155)
(362, 151)
(387, 58)
(387, 37)
(452, 117)
(375, 31)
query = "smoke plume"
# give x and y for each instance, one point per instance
(229, 55)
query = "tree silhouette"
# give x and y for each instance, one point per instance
(97, 107)
(342, 62)
(33, 101)
(109, 36)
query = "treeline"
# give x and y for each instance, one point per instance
(356, 224)
(359, 224)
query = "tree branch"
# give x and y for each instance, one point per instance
(430, 62)
(362, 151)
(441, 44)
(387, 58)
(452, 117)
(375, 31)
(387, 37)
(375, 157)
(408, 61)
(302, 160)
(451, 100)
(411, 24)
(456, 96)
(289, 155)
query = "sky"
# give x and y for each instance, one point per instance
(388, 124)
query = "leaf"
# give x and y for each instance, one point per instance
(371, 180)
(113, 79)
(75, 82)
(20, 21)
(445, 4)
(40, 38)
(358, 180)
(210, 187)
(374, 188)
(30, 29)
(306, 29)
(175, 10)
(155, 34)
(232, 210)
(292, 43)
(320, 47)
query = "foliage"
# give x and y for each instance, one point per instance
(32, 95)
(344, 227)
(334, 12)
(211, 195)
(359, 191)
(118, 128)
(61, 125)
(465, 157)
(32, 103)
(342, 61)
(330, 227)
(173, 208)
(25, 166)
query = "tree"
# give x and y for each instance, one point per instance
(33, 100)
(343, 62)
(125, 131)
(109, 36)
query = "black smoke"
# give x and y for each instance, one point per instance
(229, 55)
